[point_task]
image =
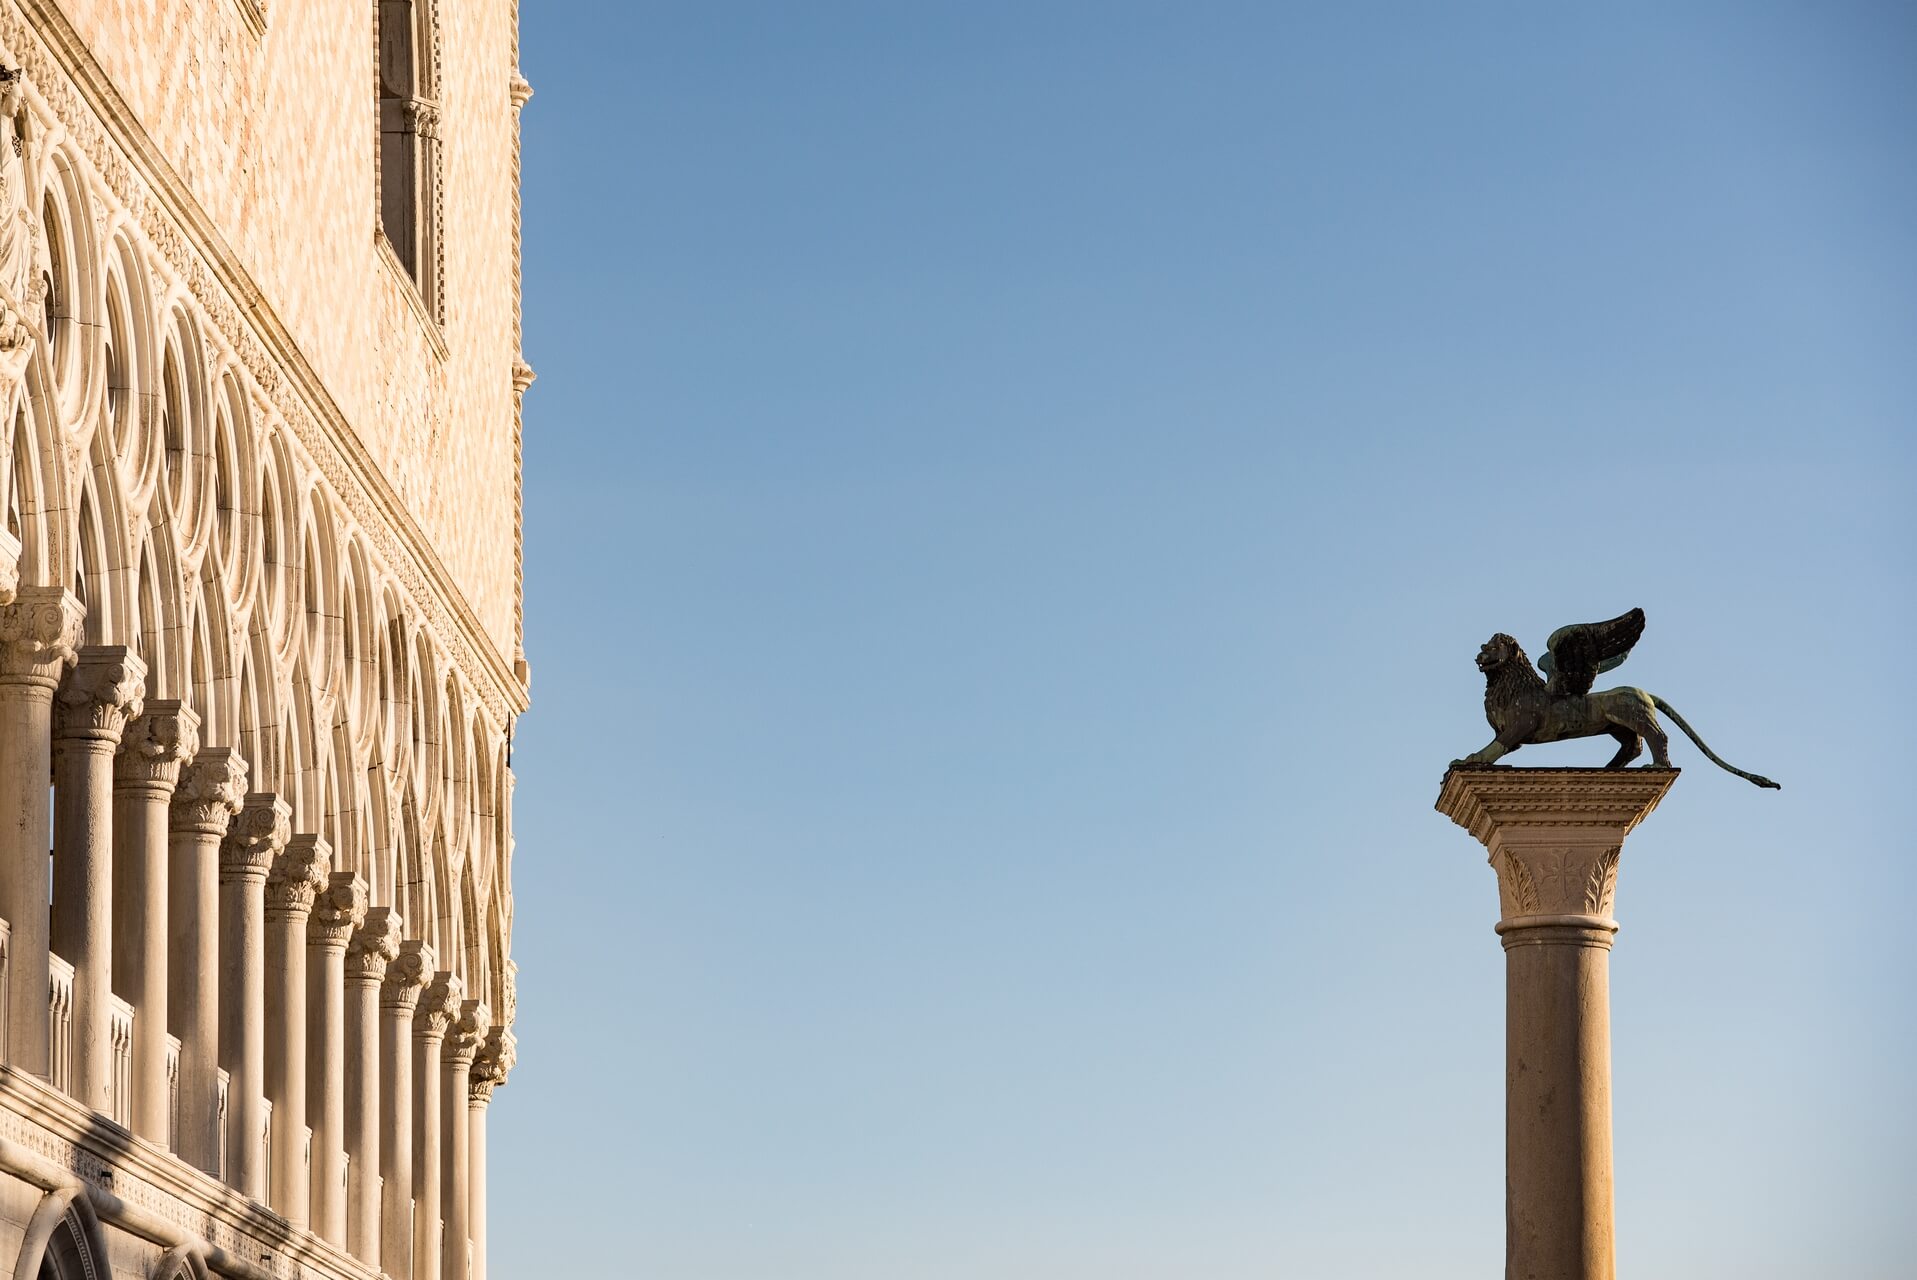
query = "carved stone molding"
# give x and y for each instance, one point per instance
(520, 90)
(438, 1005)
(155, 746)
(407, 975)
(39, 633)
(297, 875)
(492, 1065)
(338, 909)
(257, 834)
(374, 944)
(467, 1032)
(210, 792)
(105, 689)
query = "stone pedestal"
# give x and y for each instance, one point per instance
(1554, 836)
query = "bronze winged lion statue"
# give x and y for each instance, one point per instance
(1523, 706)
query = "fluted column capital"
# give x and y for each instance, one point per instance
(1554, 836)
(103, 690)
(154, 746)
(492, 1065)
(373, 945)
(296, 876)
(406, 976)
(466, 1033)
(519, 89)
(338, 909)
(209, 793)
(39, 633)
(257, 834)
(438, 1006)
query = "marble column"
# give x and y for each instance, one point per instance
(1554, 836)
(38, 632)
(90, 712)
(205, 802)
(258, 834)
(463, 1039)
(490, 1069)
(406, 977)
(373, 946)
(152, 751)
(339, 909)
(292, 884)
(438, 1007)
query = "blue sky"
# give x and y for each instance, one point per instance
(1013, 496)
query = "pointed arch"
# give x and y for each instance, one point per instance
(63, 1240)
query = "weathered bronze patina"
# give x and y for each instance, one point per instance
(1523, 707)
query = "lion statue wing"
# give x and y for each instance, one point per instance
(1574, 655)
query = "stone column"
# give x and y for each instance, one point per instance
(38, 632)
(338, 910)
(463, 1040)
(490, 1069)
(438, 1007)
(208, 797)
(145, 773)
(405, 978)
(258, 834)
(1554, 836)
(374, 945)
(293, 882)
(90, 711)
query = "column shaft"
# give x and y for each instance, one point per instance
(336, 913)
(462, 1042)
(398, 994)
(257, 836)
(438, 1005)
(204, 803)
(291, 885)
(372, 947)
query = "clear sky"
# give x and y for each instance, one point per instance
(1014, 491)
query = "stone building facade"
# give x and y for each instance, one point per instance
(260, 632)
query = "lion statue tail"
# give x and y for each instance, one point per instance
(1716, 759)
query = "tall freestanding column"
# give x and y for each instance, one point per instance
(38, 632)
(1554, 836)
(296, 877)
(90, 711)
(438, 1007)
(490, 1069)
(463, 1039)
(145, 773)
(338, 910)
(405, 978)
(257, 836)
(373, 946)
(204, 804)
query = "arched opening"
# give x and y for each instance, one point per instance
(63, 1240)
(409, 140)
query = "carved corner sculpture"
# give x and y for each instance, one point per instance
(1523, 707)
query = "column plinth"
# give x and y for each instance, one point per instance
(338, 910)
(406, 976)
(257, 836)
(373, 946)
(38, 634)
(1554, 837)
(90, 712)
(205, 801)
(438, 1009)
(145, 773)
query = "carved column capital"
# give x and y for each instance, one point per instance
(339, 909)
(257, 834)
(296, 876)
(438, 1005)
(374, 944)
(209, 793)
(467, 1032)
(406, 976)
(519, 89)
(493, 1064)
(508, 993)
(105, 689)
(39, 633)
(423, 116)
(523, 376)
(155, 745)
(1553, 836)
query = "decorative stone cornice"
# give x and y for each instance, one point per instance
(492, 1065)
(1553, 836)
(209, 793)
(467, 1033)
(339, 909)
(154, 747)
(438, 1005)
(257, 834)
(39, 632)
(406, 975)
(296, 876)
(105, 689)
(373, 945)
